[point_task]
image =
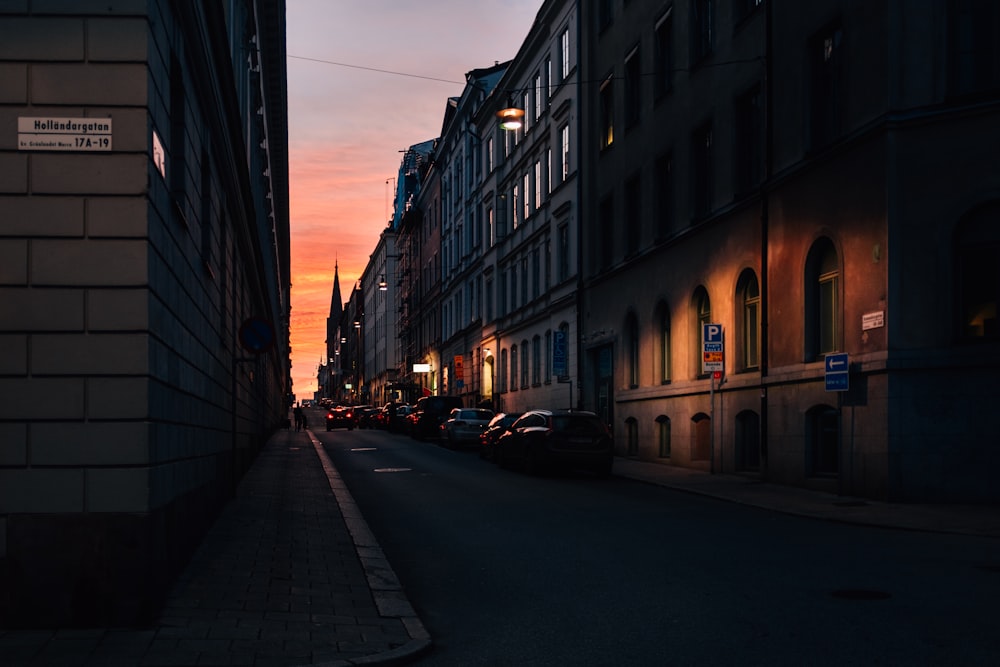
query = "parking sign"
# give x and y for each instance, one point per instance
(713, 348)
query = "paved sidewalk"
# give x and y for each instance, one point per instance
(291, 575)
(288, 575)
(981, 520)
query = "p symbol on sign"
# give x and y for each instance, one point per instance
(713, 333)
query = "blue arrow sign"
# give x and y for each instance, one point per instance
(837, 376)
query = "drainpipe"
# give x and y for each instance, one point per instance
(764, 224)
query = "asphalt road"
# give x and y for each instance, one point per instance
(507, 569)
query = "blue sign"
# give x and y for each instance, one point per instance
(837, 375)
(560, 354)
(257, 335)
(711, 333)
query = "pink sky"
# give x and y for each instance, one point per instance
(348, 124)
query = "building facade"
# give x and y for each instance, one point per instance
(788, 171)
(144, 292)
(529, 197)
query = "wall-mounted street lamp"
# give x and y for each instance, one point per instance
(511, 118)
(382, 284)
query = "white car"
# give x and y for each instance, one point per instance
(465, 425)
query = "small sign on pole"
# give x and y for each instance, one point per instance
(837, 372)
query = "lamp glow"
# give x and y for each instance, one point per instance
(510, 119)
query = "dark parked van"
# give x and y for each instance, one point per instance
(431, 412)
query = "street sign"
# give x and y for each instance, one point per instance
(837, 369)
(560, 354)
(713, 348)
(257, 335)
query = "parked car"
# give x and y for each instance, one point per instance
(394, 417)
(341, 416)
(499, 425)
(365, 415)
(541, 439)
(429, 413)
(465, 425)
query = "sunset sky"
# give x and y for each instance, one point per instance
(366, 80)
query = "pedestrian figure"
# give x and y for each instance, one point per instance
(299, 417)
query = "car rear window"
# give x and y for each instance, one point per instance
(577, 424)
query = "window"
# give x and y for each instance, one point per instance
(702, 316)
(539, 97)
(491, 232)
(632, 436)
(633, 217)
(526, 105)
(513, 286)
(977, 246)
(524, 364)
(825, 86)
(822, 300)
(538, 184)
(749, 319)
(665, 344)
(489, 299)
(548, 76)
(536, 273)
(563, 259)
(701, 153)
(564, 151)
(633, 88)
(663, 422)
(632, 350)
(973, 47)
(503, 371)
(607, 111)
(524, 280)
(748, 140)
(663, 65)
(513, 367)
(547, 369)
(502, 297)
(702, 15)
(515, 197)
(663, 173)
(548, 170)
(527, 198)
(490, 164)
(548, 263)
(536, 361)
(564, 52)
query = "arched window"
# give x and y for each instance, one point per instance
(702, 316)
(632, 436)
(822, 293)
(977, 250)
(524, 364)
(664, 342)
(503, 371)
(513, 367)
(822, 441)
(632, 349)
(663, 425)
(748, 317)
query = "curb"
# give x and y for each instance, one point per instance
(390, 599)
